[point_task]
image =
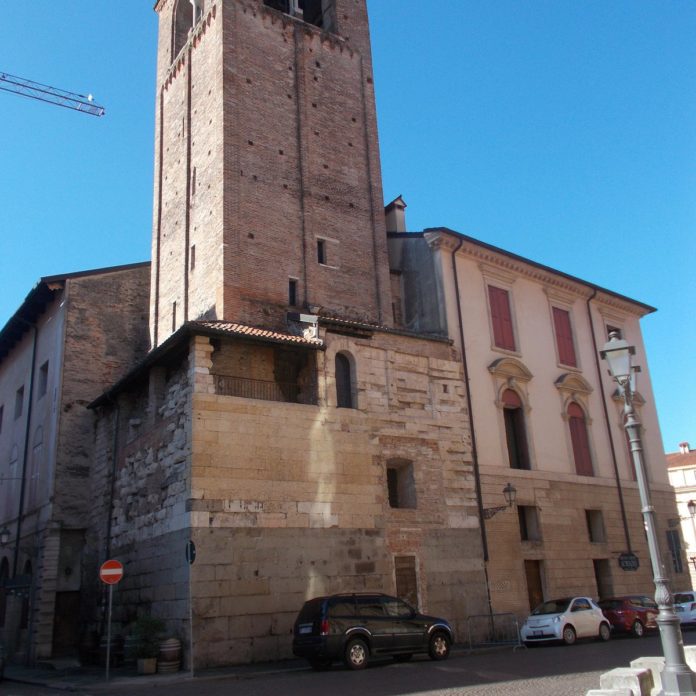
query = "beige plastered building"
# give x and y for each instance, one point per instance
(545, 416)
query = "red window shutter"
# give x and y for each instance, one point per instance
(580, 441)
(511, 399)
(564, 337)
(501, 318)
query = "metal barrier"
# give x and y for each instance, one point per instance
(288, 392)
(488, 630)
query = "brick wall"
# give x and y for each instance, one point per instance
(266, 142)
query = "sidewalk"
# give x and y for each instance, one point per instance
(72, 678)
(66, 676)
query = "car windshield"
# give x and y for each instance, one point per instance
(683, 598)
(554, 606)
(611, 604)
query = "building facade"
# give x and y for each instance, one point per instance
(280, 423)
(682, 476)
(72, 336)
(320, 406)
(545, 416)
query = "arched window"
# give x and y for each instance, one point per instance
(345, 395)
(4, 574)
(182, 25)
(515, 430)
(580, 440)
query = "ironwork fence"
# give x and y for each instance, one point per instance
(266, 390)
(493, 629)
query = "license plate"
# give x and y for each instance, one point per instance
(538, 633)
(305, 629)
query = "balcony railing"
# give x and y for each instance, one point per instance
(287, 392)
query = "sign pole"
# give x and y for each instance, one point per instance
(110, 573)
(190, 621)
(108, 632)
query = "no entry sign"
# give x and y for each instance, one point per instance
(111, 572)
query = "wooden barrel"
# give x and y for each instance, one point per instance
(169, 658)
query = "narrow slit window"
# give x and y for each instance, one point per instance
(193, 256)
(345, 396)
(292, 292)
(43, 380)
(321, 251)
(173, 316)
(19, 402)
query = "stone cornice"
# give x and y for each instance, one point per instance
(552, 279)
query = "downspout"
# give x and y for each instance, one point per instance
(608, 423)
(301, 164)
(25, 457)
(474, 450)
(112, 486)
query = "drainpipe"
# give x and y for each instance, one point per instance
(619, 490)
(474, 450)
(112, 487)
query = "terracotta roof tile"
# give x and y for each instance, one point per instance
(677, 459)
(234, 329)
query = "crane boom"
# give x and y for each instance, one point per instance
(51, 95)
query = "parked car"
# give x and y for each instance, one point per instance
(565, 619)
(356, 627)
(685, 606)
(630, 614)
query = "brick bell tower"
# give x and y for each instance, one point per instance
(268, 193)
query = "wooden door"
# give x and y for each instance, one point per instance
(535, 589)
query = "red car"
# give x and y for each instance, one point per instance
(630, 614)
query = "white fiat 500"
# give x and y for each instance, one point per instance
(565, 619)
(685, 606)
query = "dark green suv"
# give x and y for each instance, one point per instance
(355, 627)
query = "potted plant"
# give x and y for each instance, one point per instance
(147, 632)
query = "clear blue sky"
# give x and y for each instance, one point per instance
(561, 130)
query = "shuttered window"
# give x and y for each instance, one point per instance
(501, 318)
(674, 545)
(580, 440)
(515, 431)
(564, 337)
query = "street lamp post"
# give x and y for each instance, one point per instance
(677, 678)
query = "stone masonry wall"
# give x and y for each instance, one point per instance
(149, 526)
(289, 501)
(565, 549)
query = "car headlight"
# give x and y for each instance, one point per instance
(556, 619)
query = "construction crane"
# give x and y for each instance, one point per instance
(51, 95)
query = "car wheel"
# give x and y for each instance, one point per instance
(403, 657)
(356, 654)
(638, 630)
(569, 636)
(604, 631)
(439, 646)
(320, 665)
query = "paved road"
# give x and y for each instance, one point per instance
(541, 671)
